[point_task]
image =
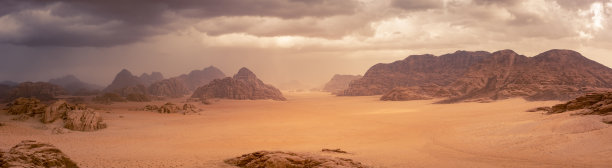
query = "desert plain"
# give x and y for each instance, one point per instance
(376, 133)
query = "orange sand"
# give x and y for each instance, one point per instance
(377, 133)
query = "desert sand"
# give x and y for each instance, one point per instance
(376, 133)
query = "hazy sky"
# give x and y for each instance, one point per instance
(281, 40)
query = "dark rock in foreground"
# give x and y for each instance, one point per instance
(277, 159)
(243, 86)
(591, 104)
(32, 154)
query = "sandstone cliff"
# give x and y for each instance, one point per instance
(481, 76)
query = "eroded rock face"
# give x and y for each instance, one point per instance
(594, 103)
(339, 83)
(470, 76)
(58, 110)
(40, 90)
(83, 120)
(243, 86)
(34, 154)
(26, 107)
(277, 159)
(173, 87)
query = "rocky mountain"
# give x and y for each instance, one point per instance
(183, 84)
(243, 86)
(147, 79)
(552, 75)
(339, 83)
(415, 70)
(197, 78)
(173, 87)
(73, 85)
(40, 90)
(123, 79)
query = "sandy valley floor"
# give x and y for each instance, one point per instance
(377, 133)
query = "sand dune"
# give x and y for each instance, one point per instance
(376, 133)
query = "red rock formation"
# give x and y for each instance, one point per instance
(416, 70)
(339, 83)
(552, 75)
(244, 85)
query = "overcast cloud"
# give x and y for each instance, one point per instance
(281, 40)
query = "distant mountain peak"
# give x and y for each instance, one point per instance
(245, 74)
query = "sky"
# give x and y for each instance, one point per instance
(281, 41)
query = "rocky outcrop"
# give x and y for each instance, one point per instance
(41, 90)
(58, 110)
(34, 154)
(76, 117)
(83, 120)
(339, 83)
(73, 85)
(289, 159)
(172, 108)
(26, 108)
(242, 86)
(552, 75)
(590, 104)
(172, 87)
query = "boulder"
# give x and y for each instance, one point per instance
(59, 109)
(278, 159)
(83, 120)
(26, 107)
(32, 154)
(168, 108)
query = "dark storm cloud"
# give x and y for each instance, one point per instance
(115, 22)
(416, 4)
